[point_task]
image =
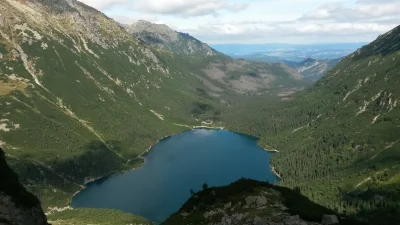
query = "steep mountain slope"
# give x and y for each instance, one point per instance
(248, 202)
(81, 98)
(339, 140)
(313, 69)
(17, 206)
(241, 76)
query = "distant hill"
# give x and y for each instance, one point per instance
(248, 49)
(312, 61)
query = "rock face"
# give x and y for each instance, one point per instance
(17, 206)
(249, 202)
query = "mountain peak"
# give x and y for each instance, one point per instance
(385, 44)
(143, 27)
(163, 37)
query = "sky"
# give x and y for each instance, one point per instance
(262, 21)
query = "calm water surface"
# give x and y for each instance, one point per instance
(173, 167)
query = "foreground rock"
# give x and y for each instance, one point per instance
(17, 206)
(249, 202)
(330, 219)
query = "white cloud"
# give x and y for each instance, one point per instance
(187, 8)
(291, 32)
(362, 10)
(104, 4)
(295, 21)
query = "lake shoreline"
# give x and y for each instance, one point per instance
(141, 155)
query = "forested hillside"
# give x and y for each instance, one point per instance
(339, 140)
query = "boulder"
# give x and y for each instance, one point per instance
(329, 220)
(256, 201)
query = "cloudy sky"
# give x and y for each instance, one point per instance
(263, 21)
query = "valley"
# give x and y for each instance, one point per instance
(311, 61)
(82, 96)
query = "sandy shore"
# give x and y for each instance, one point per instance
(276, 173)
(206, 127)
(271, 150)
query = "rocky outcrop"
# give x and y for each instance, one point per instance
(249, 202)
(17, 206)
(255, 201)
(161, 31)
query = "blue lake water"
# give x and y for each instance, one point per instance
(173, 167)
